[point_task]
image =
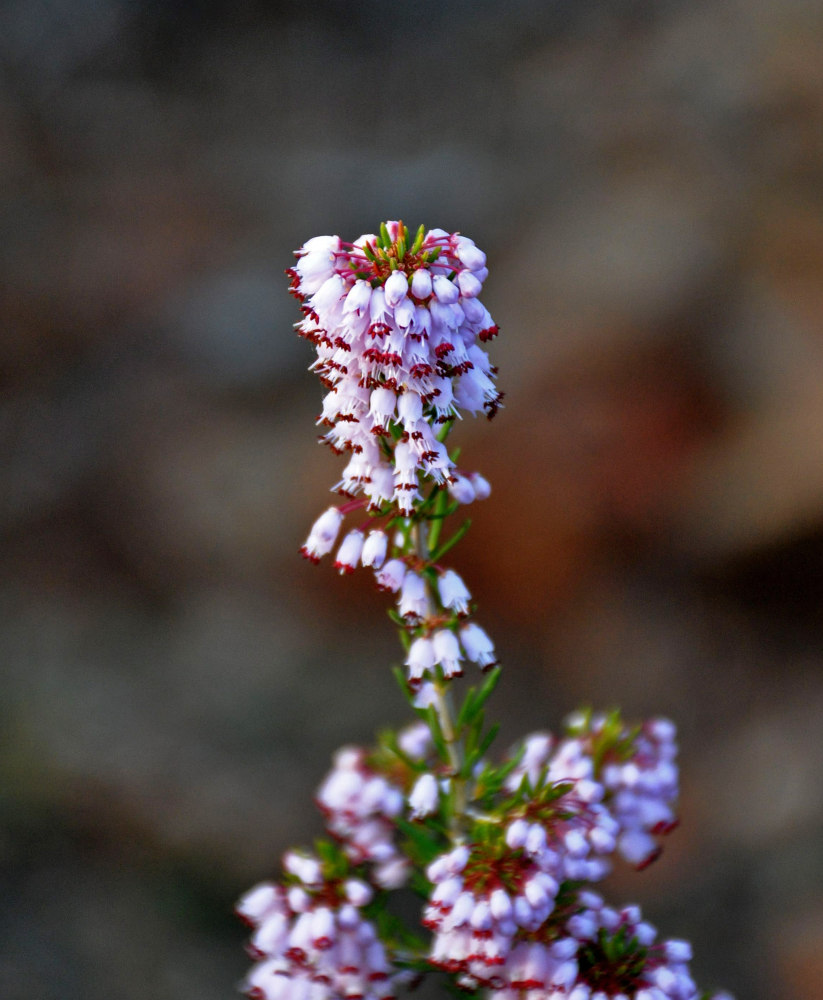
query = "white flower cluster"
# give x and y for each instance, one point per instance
(481, 898)
(642, 791)
(360, 807)
(501, 910)
(442, 637)
(510, 909)
(440, 647)
(635, 779)
(398, 328)
(311, 940)
(597, 953)
(494, 927)
(573, 840)
(397, 325)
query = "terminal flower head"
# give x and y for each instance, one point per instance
(399, 331)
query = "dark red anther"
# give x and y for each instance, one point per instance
(664, 827)
(649, 860)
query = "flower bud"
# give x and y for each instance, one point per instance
(462, 490)
(500, 904)
(477, 645)
(420, 658)
(321, 244)
(445, 290)
(329, 294)
(516, 834)
(414, 602)
(409, 408)
(306, 868)
(393, 873)
(424, 796)
(468, 284)
(415, 740)
(396, 288)
(421, 285)
(374, 549)
(469, 255)
(299, 899)
(358, 892)
(322, 928)
(447, 652)
(381, 406)
(453, 592)
(535, 839)
(358, 299)
(258, 902)
(678, 951)
(482, 487)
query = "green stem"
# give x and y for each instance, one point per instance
(452, 734)
(441, 503)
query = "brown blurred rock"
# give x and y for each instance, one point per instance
(594, 456)
(800, 957)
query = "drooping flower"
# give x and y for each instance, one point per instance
(349, 553)
(391, 575)
(477, 645)
(447, 652)
(454, 594)
(323, 534)
(482, 487)
(414, 601)
(420, 659)
(462, 489)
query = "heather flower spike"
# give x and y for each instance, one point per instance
(504, 851)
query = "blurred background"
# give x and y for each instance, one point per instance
(647, 180)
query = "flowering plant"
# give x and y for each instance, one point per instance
(505, 852)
